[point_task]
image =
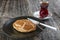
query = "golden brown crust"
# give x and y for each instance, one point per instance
(24, 25)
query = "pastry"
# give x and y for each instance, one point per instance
(24, 25)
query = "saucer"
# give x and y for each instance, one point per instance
(36, 14)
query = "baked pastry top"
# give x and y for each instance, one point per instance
(24, 25)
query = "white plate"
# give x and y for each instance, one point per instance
(36, 14)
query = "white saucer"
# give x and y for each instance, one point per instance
(36, 14)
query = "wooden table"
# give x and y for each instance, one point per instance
(15, 8)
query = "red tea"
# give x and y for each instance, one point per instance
(44, 10)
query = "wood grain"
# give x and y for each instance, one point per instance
(15, 8)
